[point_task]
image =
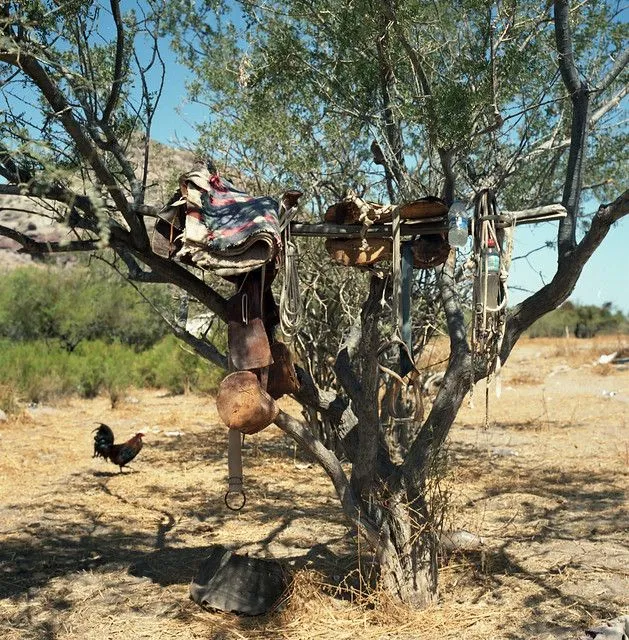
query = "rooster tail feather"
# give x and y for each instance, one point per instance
(103, 441)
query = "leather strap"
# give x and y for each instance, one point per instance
(235, 498)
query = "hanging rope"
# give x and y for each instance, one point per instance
(290, 295)
(405, 401)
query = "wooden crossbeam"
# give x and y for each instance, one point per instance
(422, 227)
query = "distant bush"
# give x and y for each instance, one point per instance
(170, 365)
(35, 371)
(83, 331)
(78, 304)
(38, 371)
(581, 321)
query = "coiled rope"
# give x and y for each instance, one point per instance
(488, 322)
(290, 295)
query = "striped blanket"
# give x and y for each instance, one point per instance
(227, 230)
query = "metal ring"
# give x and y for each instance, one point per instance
(235, 508)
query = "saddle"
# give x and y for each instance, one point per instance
(211, 224)
(429, 250)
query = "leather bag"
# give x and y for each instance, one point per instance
(354, 252)
(282, 375)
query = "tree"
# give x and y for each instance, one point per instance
(393, 98)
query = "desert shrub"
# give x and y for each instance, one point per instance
(172, 366)
(581, 321)
(76, 305)
(86, 331)
(36, 370)
(99, 367)
(40, 371)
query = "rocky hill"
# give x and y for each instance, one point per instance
(38, 218)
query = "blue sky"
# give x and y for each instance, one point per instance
(605, 277)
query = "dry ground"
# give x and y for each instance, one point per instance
(87, 552)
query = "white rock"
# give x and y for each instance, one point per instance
(607, 358)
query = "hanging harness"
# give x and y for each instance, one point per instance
(492, 245)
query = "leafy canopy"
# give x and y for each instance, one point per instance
(297, 91)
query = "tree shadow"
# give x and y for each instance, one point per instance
(76, 537)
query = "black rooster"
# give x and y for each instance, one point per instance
(120, 454)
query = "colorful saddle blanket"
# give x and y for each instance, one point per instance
(226, 230)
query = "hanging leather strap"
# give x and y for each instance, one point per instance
(235, 498)
(406, 355)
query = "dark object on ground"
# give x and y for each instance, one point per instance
(120, 454)
(234, 583)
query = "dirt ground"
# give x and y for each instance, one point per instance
(87, 552)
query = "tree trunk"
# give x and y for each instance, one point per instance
(407, 552)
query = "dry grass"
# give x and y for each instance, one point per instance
(9, 402)
(579, 352)
(87, 552)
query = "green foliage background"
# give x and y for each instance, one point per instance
(580, 320)
(81, 331)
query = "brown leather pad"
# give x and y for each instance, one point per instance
(243, 405)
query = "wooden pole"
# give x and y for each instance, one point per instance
(423, 227)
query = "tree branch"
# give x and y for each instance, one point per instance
(172, 272)
(343, 363)
(612, 103)
(297, 430)
(451, 305)
(392, 128)
(606, 107)
(414, 58)
(446, 157)
(621, 62)
(36, 247)
(455, 384)
(10, 169)
(85, 146)
(563, 40)
(366, 461)
(136, 273)
(58, 193)
(116, 85)
(204, 349)
(549, 297)
(579, 94)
